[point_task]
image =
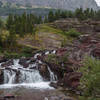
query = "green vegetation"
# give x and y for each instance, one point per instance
(23, 24)
(90, 80)
(78, 13)
(73, 33)
(47, 28)
(22, 51)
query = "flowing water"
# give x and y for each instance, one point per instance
(17, 76)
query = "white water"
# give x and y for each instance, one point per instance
(17, 76)
(52, 76)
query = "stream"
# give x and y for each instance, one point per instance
(26, 83)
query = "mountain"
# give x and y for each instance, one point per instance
(59, 4)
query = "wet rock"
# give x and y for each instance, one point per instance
(72, 79)
(53, 84)
(43, 69)
(23, 62)
(1, 77)
(56, 68)
(8, 63)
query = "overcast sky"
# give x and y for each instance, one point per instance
(98, 2)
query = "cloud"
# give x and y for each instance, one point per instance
(98, 2)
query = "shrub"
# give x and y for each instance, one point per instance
(90, 80)
(73, 33)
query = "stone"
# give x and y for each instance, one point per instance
(43, 69)
(61, 52)
(23, 62)
(72, 79)
(8, 63)
(53, 84)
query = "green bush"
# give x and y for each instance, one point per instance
(10, 55)
(90, 80)
(72, 33)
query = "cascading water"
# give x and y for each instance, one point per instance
(17, 75)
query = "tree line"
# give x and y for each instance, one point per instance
(22, 24)
(78, 13)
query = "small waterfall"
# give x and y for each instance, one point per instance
(9, 76)
(30, 77)
(18, 75)
(53, 77)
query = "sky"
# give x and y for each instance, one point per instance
(98, 2)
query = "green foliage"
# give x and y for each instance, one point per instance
(90, 80)
(1, 24)
(88, 98)
(78, 13)
(7, 39)
(52, 58)
(27, 50)
(51, 16)
(72, 33)
(10, 55)
(22, 24)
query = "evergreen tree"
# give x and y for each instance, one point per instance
(79, 14)
(51, 16)
(45, 19)
(1, 23)
(10, 22)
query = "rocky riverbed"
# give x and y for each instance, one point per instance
(33, 94)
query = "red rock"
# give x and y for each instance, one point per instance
(61, 52)
(72, 79)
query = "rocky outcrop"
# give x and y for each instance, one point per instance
(87, 26)
(72, 79)
(43, 69)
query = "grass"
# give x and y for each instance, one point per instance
(47, 28)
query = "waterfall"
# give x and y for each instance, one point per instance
(18, 75)
(53, 77)
(9, 76)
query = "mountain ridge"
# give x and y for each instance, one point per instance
(59, 4)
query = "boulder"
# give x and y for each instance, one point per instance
(8, 63)
(43, 69)
(72, 79)
(23, 62)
